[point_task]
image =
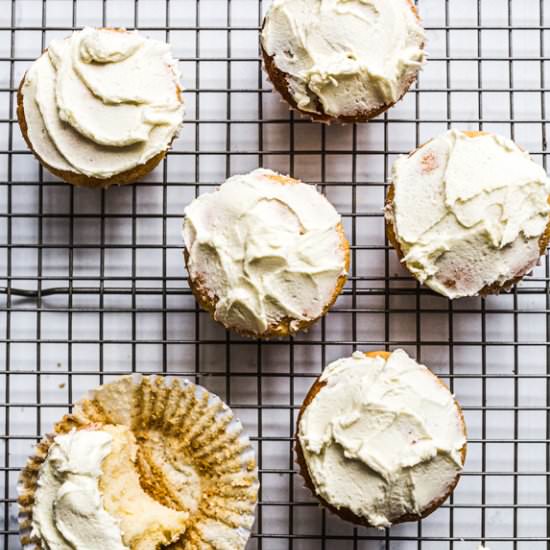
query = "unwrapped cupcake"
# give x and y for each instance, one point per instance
(141, 464)
(342, 61)
(380, 439)
(102, 106)
(468, 213)
(266, 254)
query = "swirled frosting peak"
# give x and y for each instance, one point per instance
(102, 102)
(344, 57)
(469, 211)
(382, 438)
(265, 248)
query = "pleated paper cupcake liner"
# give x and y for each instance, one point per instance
(182, 432)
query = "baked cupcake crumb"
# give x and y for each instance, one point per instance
(151, 463)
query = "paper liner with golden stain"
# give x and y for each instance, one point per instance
(279, 79)
(208, 300)
(345, 513)
(188, 426)
(391, 232)
(82, 180)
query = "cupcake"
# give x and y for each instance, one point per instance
(141, 464)
(101, 107)
(468, 213)
(266, 254)
(342, 61)
(380, 439)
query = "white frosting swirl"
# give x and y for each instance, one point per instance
(102, 102)
(266, 250)
(344, 57)
(382, 438)
(68, 512)
(469, 212)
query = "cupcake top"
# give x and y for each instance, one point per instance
(89, 496)
(382, 438)
(469, 211)
(264, 248)
(344, 57)
(102, 102)
(141, 463)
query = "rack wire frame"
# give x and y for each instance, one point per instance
(77, 290)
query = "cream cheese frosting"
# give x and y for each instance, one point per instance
(102, 102)
(468, 212)
(344, 57)
(382, 438)
(89, 495)
(264, 250)
(68, 512)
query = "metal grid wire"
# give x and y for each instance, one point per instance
(92, 283)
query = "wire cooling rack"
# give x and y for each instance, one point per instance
(92, 283)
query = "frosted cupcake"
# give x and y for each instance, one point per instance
(101, 107)
(141, 464)
(342, 61)
(266, 254)
(468, 213)
(380, 439)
